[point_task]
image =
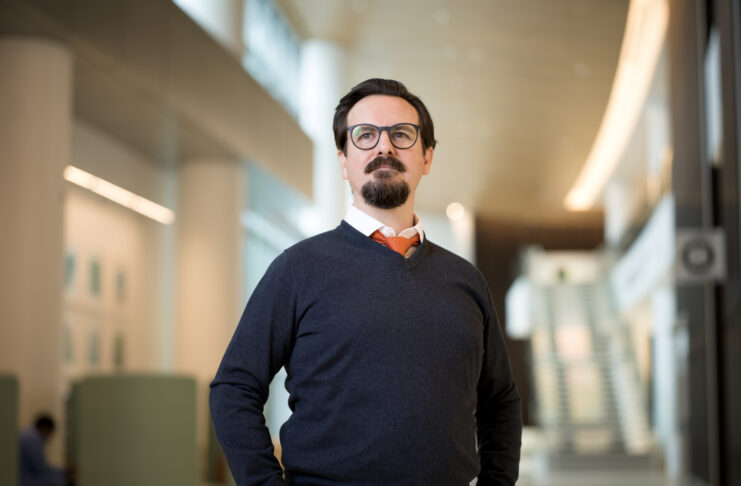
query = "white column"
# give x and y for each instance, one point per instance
(35, 136)
(665, 372)
(210, 201)
(322, 65)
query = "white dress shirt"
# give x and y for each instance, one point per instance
(367, 224)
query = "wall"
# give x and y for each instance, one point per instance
(116, 305)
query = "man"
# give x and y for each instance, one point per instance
(394, 356)
(35, 471)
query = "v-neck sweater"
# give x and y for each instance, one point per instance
(394, 366)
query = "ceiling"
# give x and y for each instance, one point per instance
(516, 89)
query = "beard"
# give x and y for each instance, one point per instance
(383, 192)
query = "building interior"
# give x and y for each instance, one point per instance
(157, 155)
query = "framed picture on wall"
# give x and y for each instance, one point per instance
(70, 271)
(94, 278)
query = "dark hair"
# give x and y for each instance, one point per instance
(45, 420)
(388, 87)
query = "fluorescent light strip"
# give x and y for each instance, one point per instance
(119, 195)
(644, 35)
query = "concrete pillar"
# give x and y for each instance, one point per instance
(209, 294)
(35, 136)
(322, 65)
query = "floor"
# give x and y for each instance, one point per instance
(603, 478)
(534, 471)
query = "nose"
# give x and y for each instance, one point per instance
(384, 143)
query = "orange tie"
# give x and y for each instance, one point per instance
(397, 243)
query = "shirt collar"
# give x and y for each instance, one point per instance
(367, 224)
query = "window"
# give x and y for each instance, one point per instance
(273, 52)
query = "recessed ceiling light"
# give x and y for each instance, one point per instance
(475, 54)
(455, 211)
(456, 108)
(462, 131)
(450, 52)
(484, 130)
(564, 144)
(360, 6)
(581, 69)
(441, 16)
(456, 81)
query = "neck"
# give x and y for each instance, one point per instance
(399, 218)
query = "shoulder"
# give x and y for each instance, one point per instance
(449, 262)
(316, 247)
(294, 267)
(30, 436)
(315, 251)
(329, 238)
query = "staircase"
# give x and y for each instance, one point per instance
(589, 400)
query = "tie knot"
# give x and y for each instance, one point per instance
(397, 243)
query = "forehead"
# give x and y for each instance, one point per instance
(382, 110)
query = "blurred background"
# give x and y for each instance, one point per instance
(157, 155)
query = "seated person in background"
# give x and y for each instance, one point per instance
(35, 471)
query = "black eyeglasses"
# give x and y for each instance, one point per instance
(366, 136)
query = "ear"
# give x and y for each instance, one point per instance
(343, 163)
(429, 152)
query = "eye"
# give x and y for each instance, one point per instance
(364, 132)
(403, 132)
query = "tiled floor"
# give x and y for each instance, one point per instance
(603, 478)
(534, 471)
(533, 474)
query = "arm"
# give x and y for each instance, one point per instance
(498, 414)
(260, 346)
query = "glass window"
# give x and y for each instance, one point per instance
(273, 52)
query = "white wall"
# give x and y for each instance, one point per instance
(124, 245)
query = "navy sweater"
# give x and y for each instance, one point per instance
(394, 367)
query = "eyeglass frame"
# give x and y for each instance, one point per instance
(388, 132)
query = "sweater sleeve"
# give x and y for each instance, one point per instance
(260, 346)
(498, 414)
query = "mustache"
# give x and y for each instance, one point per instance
(382, 160)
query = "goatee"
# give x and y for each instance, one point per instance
(383, 192)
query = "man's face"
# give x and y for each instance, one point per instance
(384, 176)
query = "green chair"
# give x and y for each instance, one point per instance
(9, 462)
(133, 429)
